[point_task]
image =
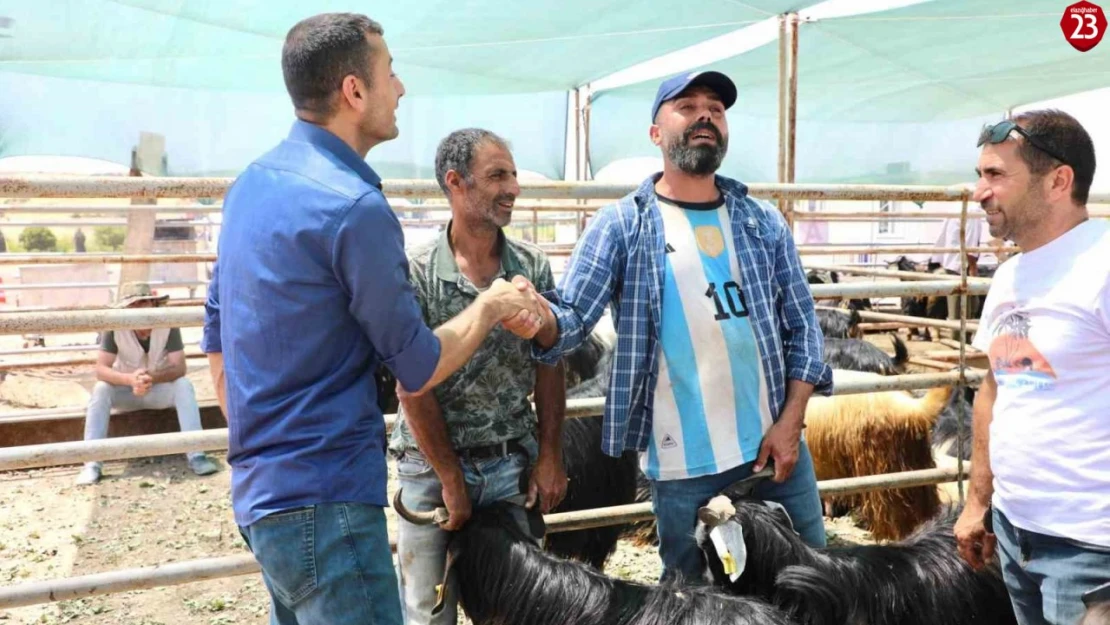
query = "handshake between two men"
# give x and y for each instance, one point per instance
(522, 310)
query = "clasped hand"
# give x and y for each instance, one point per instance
(521, 309)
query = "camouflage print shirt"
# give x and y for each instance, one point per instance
(486, 401)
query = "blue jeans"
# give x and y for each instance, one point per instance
(1047, 575)
(327, 564)
(676, 503)
(422, 550)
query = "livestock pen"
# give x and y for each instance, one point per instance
(23, 461)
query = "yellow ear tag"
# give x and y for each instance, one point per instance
(728, 542)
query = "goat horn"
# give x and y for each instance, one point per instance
(438, 516)
(744, 487)
(716, 511)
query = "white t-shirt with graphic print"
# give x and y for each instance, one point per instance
(1046, 327)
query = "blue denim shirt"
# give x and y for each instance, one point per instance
(619, 262)
(310, 293)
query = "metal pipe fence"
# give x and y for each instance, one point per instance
(141, 446)
(73, 452)
(176, 573)
(192, 316)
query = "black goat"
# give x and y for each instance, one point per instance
(839, 324)
(505, 579)
(945, 429)
(824, 276)
(859, 355)
(929, 307)
(918, 581)
(596, 480)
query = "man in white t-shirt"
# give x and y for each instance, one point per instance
(1040, 477)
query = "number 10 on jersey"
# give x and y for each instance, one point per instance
(729, 295)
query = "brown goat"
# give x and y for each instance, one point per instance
(874, 433)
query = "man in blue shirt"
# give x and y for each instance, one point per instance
(310, 293)
(718, 348)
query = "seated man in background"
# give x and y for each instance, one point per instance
(141, 369)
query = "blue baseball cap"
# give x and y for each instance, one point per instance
(672, 87)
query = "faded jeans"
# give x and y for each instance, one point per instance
(1047, 575)
(328, 564)
(422, 550)
(177, 394)
(676, 503)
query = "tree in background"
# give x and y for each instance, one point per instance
(109, 237)
(38, 239)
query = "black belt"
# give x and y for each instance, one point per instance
(496, 450)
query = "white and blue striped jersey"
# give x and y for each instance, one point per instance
(711, 404)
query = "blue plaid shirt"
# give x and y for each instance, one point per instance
(619, 261)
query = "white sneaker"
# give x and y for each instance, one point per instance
(90, 474)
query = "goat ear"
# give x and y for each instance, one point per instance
(441, 589)
(536, 525)
(778, 507)
(728, 541)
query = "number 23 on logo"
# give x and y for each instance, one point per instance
(1083, 24)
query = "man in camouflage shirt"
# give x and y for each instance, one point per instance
(468, 442)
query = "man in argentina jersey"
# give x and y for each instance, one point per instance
(711, 407)
(718, 348)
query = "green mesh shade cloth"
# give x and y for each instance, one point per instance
(893, 97)
(84, 77)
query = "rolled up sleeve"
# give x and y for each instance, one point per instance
(803, 343)
(369, 261)
(210, 342)
(587, 285)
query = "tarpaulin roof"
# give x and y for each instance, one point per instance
(896, 96)
(84, 77)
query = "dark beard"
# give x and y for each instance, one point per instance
(698, 160)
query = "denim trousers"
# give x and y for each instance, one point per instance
(422, 550)
(327, 564)
(676, 503)
(1046, 576)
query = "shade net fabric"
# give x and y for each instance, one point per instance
(892, 97)
(84, 77)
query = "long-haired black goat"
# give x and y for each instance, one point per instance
(918, 581)
(595, 480)
(859, 355)
(505, 579)
(839, 324)
(945, 429)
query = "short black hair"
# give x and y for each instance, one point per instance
(322, 50)
(456, 151)
(1064, 135)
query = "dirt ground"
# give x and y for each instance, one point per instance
(154, 511)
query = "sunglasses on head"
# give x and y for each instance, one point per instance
(998, 133)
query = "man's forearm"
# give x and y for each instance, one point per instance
(168, 373)
(551, 408)
(111, 376)
(549, 332)
(797, 397)
(425, 419)
(459, 338)
(216, 367)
